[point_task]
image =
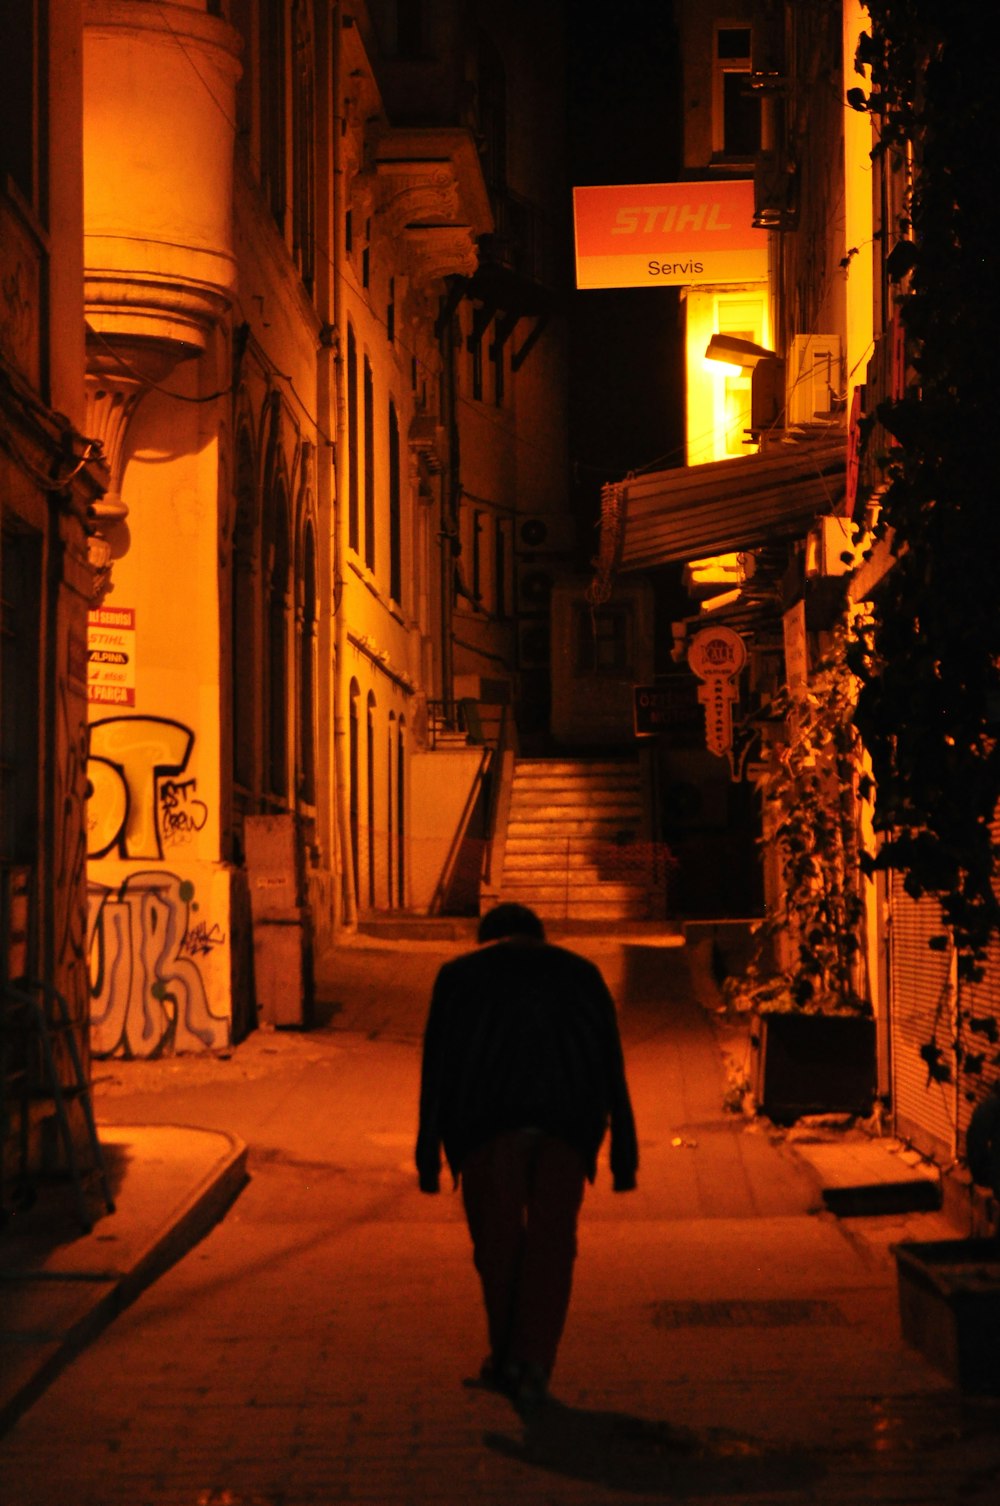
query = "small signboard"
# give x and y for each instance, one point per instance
(640, 235)
(716, 655)
(650, 709)
(111, 656)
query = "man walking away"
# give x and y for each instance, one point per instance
(522, 1074)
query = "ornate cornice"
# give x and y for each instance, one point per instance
(431, 196)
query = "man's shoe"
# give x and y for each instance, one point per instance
(532, 1388)
(498, 1375)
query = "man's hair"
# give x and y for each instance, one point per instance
(510, 920)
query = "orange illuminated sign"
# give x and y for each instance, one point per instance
(641, 235)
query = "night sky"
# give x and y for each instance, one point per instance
(626, 345)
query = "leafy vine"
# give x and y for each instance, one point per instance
(813, 929)
(929, 661)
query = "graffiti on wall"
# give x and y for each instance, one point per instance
(148, 996)
(137, 806)
(146, 942)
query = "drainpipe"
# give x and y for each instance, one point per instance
(348, 897)
(450, 504)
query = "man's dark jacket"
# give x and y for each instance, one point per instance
(522, 1034)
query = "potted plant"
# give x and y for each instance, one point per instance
(813, 1035)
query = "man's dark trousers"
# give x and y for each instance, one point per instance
(522, 1193)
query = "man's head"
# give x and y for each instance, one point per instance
(510, 920)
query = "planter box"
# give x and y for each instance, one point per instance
(949, 1307)
(812, 1064)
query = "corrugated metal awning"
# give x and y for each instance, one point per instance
(726, 506)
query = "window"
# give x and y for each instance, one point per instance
(369, 467)
(276, 563)
(353, 479)
(271, 50)
(20, 637)
(477, 556)
(401, 811)
(603, 640)
(501, 603)
(735, 110)
(400, 26)
(19, 129)
(491, 98)
(395, 510)
(390, 312)
(474, 344)
(243, 620)
(390, 794)
(497, 347)
(307, 673)
(370, 792)
(354, 779)
(303, 153)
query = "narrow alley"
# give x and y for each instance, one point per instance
(728, 1341)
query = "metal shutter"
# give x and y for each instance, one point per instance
(922, 1013)
(979, 1030)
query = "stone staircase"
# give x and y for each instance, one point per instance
(577, 845)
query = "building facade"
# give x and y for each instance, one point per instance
(324, 363)
(51, 484)
(781, 543)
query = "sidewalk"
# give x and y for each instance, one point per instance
(59, 1288)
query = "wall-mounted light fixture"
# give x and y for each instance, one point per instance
(730, 350)
(767, 375)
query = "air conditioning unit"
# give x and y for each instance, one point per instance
(534, 587)
(815, 379)
(533, 644)
(830, 548)
(540, 534)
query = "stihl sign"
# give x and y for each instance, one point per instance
(648, 235)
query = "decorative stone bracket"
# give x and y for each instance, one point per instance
(431, 195)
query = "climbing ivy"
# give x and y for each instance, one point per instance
(813, 929)
(929, 661)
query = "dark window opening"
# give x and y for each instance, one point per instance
(395, 510)
(20, 701)
(369, 417)
(353, 478)
(603, 641)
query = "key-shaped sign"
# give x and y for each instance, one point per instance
(717, 654)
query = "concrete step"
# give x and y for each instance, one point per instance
(586, 910)
(562, 794)
(572, 835)
(542, 891)
(575, 767)
(594, 867)
(609, 819)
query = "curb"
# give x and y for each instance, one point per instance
(105, 1294)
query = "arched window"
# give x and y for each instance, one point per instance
(275, 665)
(243, 627)
(401, 872)
(354, 779)
(303, 151)
(370, 792)
(353, 478)
(273, 134)
(390, 802)
(369, 466)
(307, 671)
(395, 510)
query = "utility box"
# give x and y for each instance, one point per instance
(282, 929)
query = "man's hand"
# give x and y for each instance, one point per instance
(428, 1160)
